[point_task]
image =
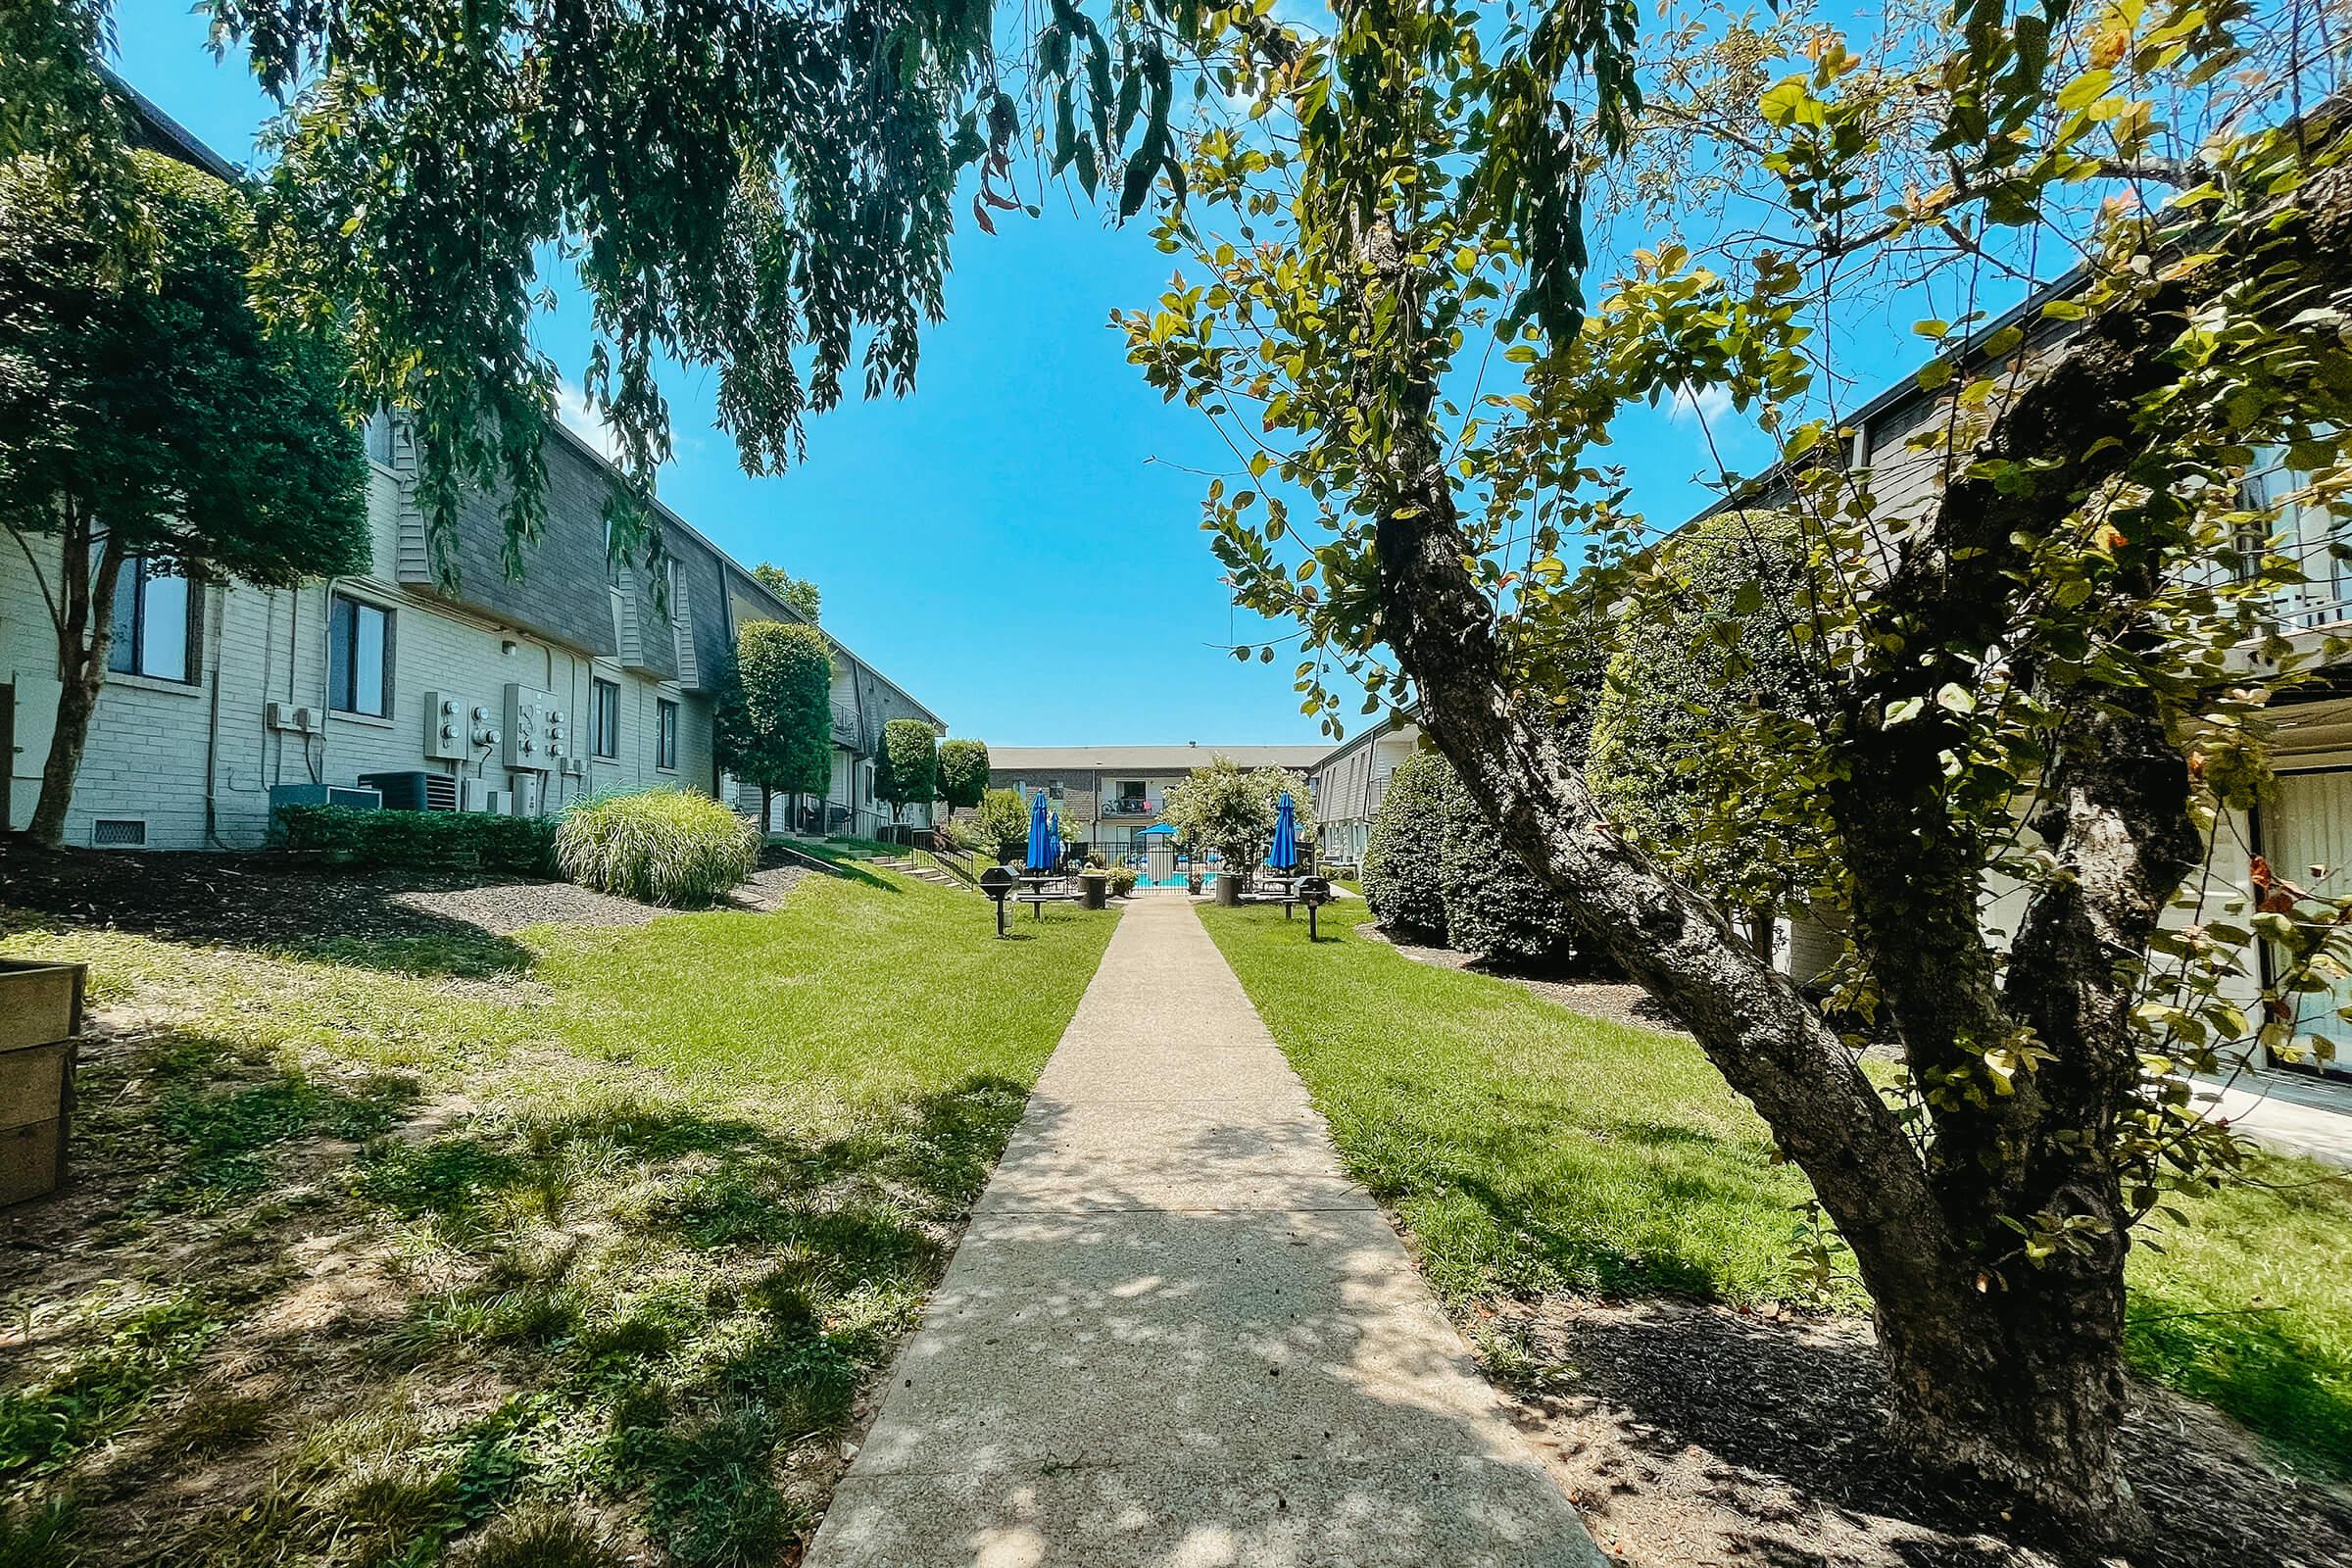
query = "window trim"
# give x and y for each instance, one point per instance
(389, 462)
(134, 572)
(666, 734)
(602, 746)
(358, 602)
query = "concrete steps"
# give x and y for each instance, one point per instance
(920, 871)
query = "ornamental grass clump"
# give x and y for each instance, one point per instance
(668, 847)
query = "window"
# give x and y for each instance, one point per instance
(604, 720)
(155, 624)
(359, 658)
(665, 733)
(379, 440)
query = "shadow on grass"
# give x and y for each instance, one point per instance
(833, 861)
(454, 951)
(676, 1310)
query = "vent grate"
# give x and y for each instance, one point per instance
(118, 832)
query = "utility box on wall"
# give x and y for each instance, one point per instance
(457, 728)
(535, 731)
(476, 795)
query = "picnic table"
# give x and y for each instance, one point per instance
(1300, 888)
(1041, 888)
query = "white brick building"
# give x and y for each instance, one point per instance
(592, 684)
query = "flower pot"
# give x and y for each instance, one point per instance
(40, 1013)
(1094, 891)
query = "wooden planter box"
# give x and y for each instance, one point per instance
(40, 1013)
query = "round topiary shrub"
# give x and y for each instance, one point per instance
(1495, 905)
(1404, 859)
(668, 847)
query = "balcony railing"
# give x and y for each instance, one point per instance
(1129, 805)
(2307, 534)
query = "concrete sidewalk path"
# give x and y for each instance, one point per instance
(1177, 1335)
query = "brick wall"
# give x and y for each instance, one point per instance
(155, 746)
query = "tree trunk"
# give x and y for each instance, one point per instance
(84, 638)
(768, 811)
(2012, 1375)
(2022, 1384)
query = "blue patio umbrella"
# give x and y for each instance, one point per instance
(1285, 853)
(1044, 850)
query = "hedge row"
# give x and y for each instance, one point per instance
(460, 841)
(1436, 870)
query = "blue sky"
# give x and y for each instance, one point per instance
(1017, 542)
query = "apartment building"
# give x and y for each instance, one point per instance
(1351, 779)
(2305, 830)
(1109, 795)
(579, 676)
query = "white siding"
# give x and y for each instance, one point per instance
(153, 746)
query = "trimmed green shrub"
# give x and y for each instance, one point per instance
(1000, 826)
(453, 840)
(1123, 879)
(668, 847)
(1495, 907)
(963, 772)
(1406, 852)
(906, 767)
(1695, 737)
(772, 723)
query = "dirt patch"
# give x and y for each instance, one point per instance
(1617, 1001)
(1692, 1437)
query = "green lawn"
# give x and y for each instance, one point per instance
(1527, 1147)
(572, 1248)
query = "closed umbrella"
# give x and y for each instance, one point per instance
(1043, 851)
(1285, 853)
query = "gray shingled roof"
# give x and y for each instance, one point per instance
(1145, 758)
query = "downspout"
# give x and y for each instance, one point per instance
(326, 676)
(293, 664)
(212, 729)
(269, 677)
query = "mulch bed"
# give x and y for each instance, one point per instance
(267, 900)
(1692, 1437)
(1618, 1001)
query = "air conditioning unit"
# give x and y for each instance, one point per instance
(414, 790)
(345, 794)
